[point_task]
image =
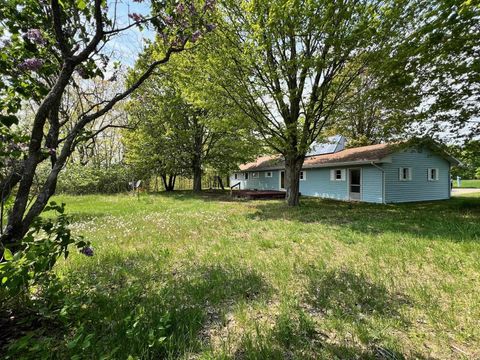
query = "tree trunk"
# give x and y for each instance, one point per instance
(197, 177)
(293, 166)
(220, 182)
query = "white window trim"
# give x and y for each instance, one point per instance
(268, 174)
(304, 173)
(235, 176)
(429, 174)
(245, 176)
(255, 175)
(400, 174)
(333, 175)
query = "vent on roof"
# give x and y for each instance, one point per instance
(332, 145)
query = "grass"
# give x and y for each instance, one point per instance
(468, 184)
(203, 277)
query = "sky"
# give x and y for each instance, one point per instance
(127, 45)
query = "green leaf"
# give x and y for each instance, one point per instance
(8, 120)
(81, 4)
(4, 279)
(7, 255)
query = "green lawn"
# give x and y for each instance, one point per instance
(468, 184)
(203, 277)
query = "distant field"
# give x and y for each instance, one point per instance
(468, 184)
(184, 276)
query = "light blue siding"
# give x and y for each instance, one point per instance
(372, 184)
(377, 186)
(318, 184)
(261, 183)
(419, 188)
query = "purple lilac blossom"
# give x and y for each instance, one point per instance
(135, 17)
(195, 36)
(35, 36)
(210, 27)
(32, 64)
(87, 251)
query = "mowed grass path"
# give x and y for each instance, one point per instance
(203, 277)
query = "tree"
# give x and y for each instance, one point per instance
(469, 156)
(184, 130)
(443, 51)
(289, 65)
(50, 48)
(379, 107)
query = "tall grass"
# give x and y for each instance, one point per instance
(186, 276)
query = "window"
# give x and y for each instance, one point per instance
(337, 175)
(246, 176)
(235, 176)
(405, 174)
(268, 174)
(255, 175)
(303, 176)
(432, 174)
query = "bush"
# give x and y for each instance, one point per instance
(29, 269)
(79, 180)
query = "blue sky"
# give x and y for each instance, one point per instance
(128, 44)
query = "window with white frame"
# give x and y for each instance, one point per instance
(255, 175)
(268, 174)
(246, 176)
(337, 175)
(433, 174)
(235, 176)
(405, 174)
(303, 176)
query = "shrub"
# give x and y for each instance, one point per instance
(29, 269)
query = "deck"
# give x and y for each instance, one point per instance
(258, 194)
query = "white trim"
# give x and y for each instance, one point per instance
(401, 176)
(349, 184)
(429, 174)
(303, 174)
(255, 175)
(333, 175)
(267, 174)
(280, 179)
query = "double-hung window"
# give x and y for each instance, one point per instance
(405, 174)
(433, 174)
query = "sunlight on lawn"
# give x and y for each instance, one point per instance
(202, 276)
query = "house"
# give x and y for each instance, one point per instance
(383, 173)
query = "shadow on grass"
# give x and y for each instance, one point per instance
(457, 219)
(131, 309)
(356, 305)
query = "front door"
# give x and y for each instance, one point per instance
(355, 181)
(282, 180)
